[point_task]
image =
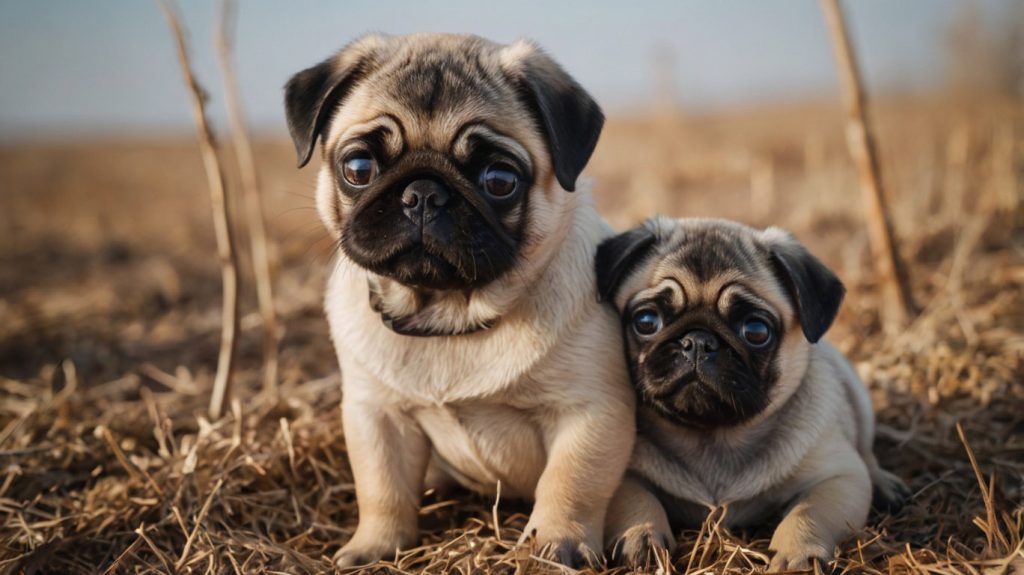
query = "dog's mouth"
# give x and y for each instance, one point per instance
(415, 260)
(693, 383)
(420, 266)
(704, 399)
(665, 389)
(419, 259)
(669, 374)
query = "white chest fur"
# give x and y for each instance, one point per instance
(428, 370)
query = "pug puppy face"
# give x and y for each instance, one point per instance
(445, 161)
(718, 318)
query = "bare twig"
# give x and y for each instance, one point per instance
(221, 219)
(990, 525)
(104, 433)
(862, 148)
(199, 521)
(124, 554)
(494, 513)
(251, 194)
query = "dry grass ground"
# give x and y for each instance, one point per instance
(109, 320)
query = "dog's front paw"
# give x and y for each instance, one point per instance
(355, 555)
(639, 546)
(571, 553)
(797, 556)
(890, 492)
(565, 544)
(365, 548)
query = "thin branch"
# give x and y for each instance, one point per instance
(112, 569)
(865, 155)
(251, 193)
(221, 219)
(198, 523)
(494, 513)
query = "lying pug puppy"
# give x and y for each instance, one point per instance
(462, 304)
(742, 405)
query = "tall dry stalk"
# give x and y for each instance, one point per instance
(221, 213)
(251, 194)
(762, 185)
(861, 142)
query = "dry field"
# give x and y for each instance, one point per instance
(109, 327)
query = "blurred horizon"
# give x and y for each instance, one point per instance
(75, 70)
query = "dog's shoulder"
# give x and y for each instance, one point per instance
(856, 401)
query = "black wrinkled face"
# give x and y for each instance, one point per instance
(702, 359)
(716, 315)
(434, 219)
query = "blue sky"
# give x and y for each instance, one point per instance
(80, 67)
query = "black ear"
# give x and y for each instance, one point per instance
(815, 290)
(571, 119)
(617, 257)
(312, 94)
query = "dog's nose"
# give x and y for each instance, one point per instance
(422, 199)
(699, 345)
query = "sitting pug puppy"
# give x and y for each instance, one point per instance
(742, 405)
(462, 303)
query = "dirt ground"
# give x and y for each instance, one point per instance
(109, 329)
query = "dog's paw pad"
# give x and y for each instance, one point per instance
(358, 552)
(786, 564)
(571, 553)
(639, 547)
(343, 559)
(797, 556)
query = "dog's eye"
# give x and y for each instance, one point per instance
(646, 322)
(499, 180)
(359, 168)
(756, 332)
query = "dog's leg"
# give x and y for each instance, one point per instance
(637, 525)
(389, 454)
(589, 448)
(437, 479)
(890, 492)
(822, 516)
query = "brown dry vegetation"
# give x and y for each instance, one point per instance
(109, 322)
